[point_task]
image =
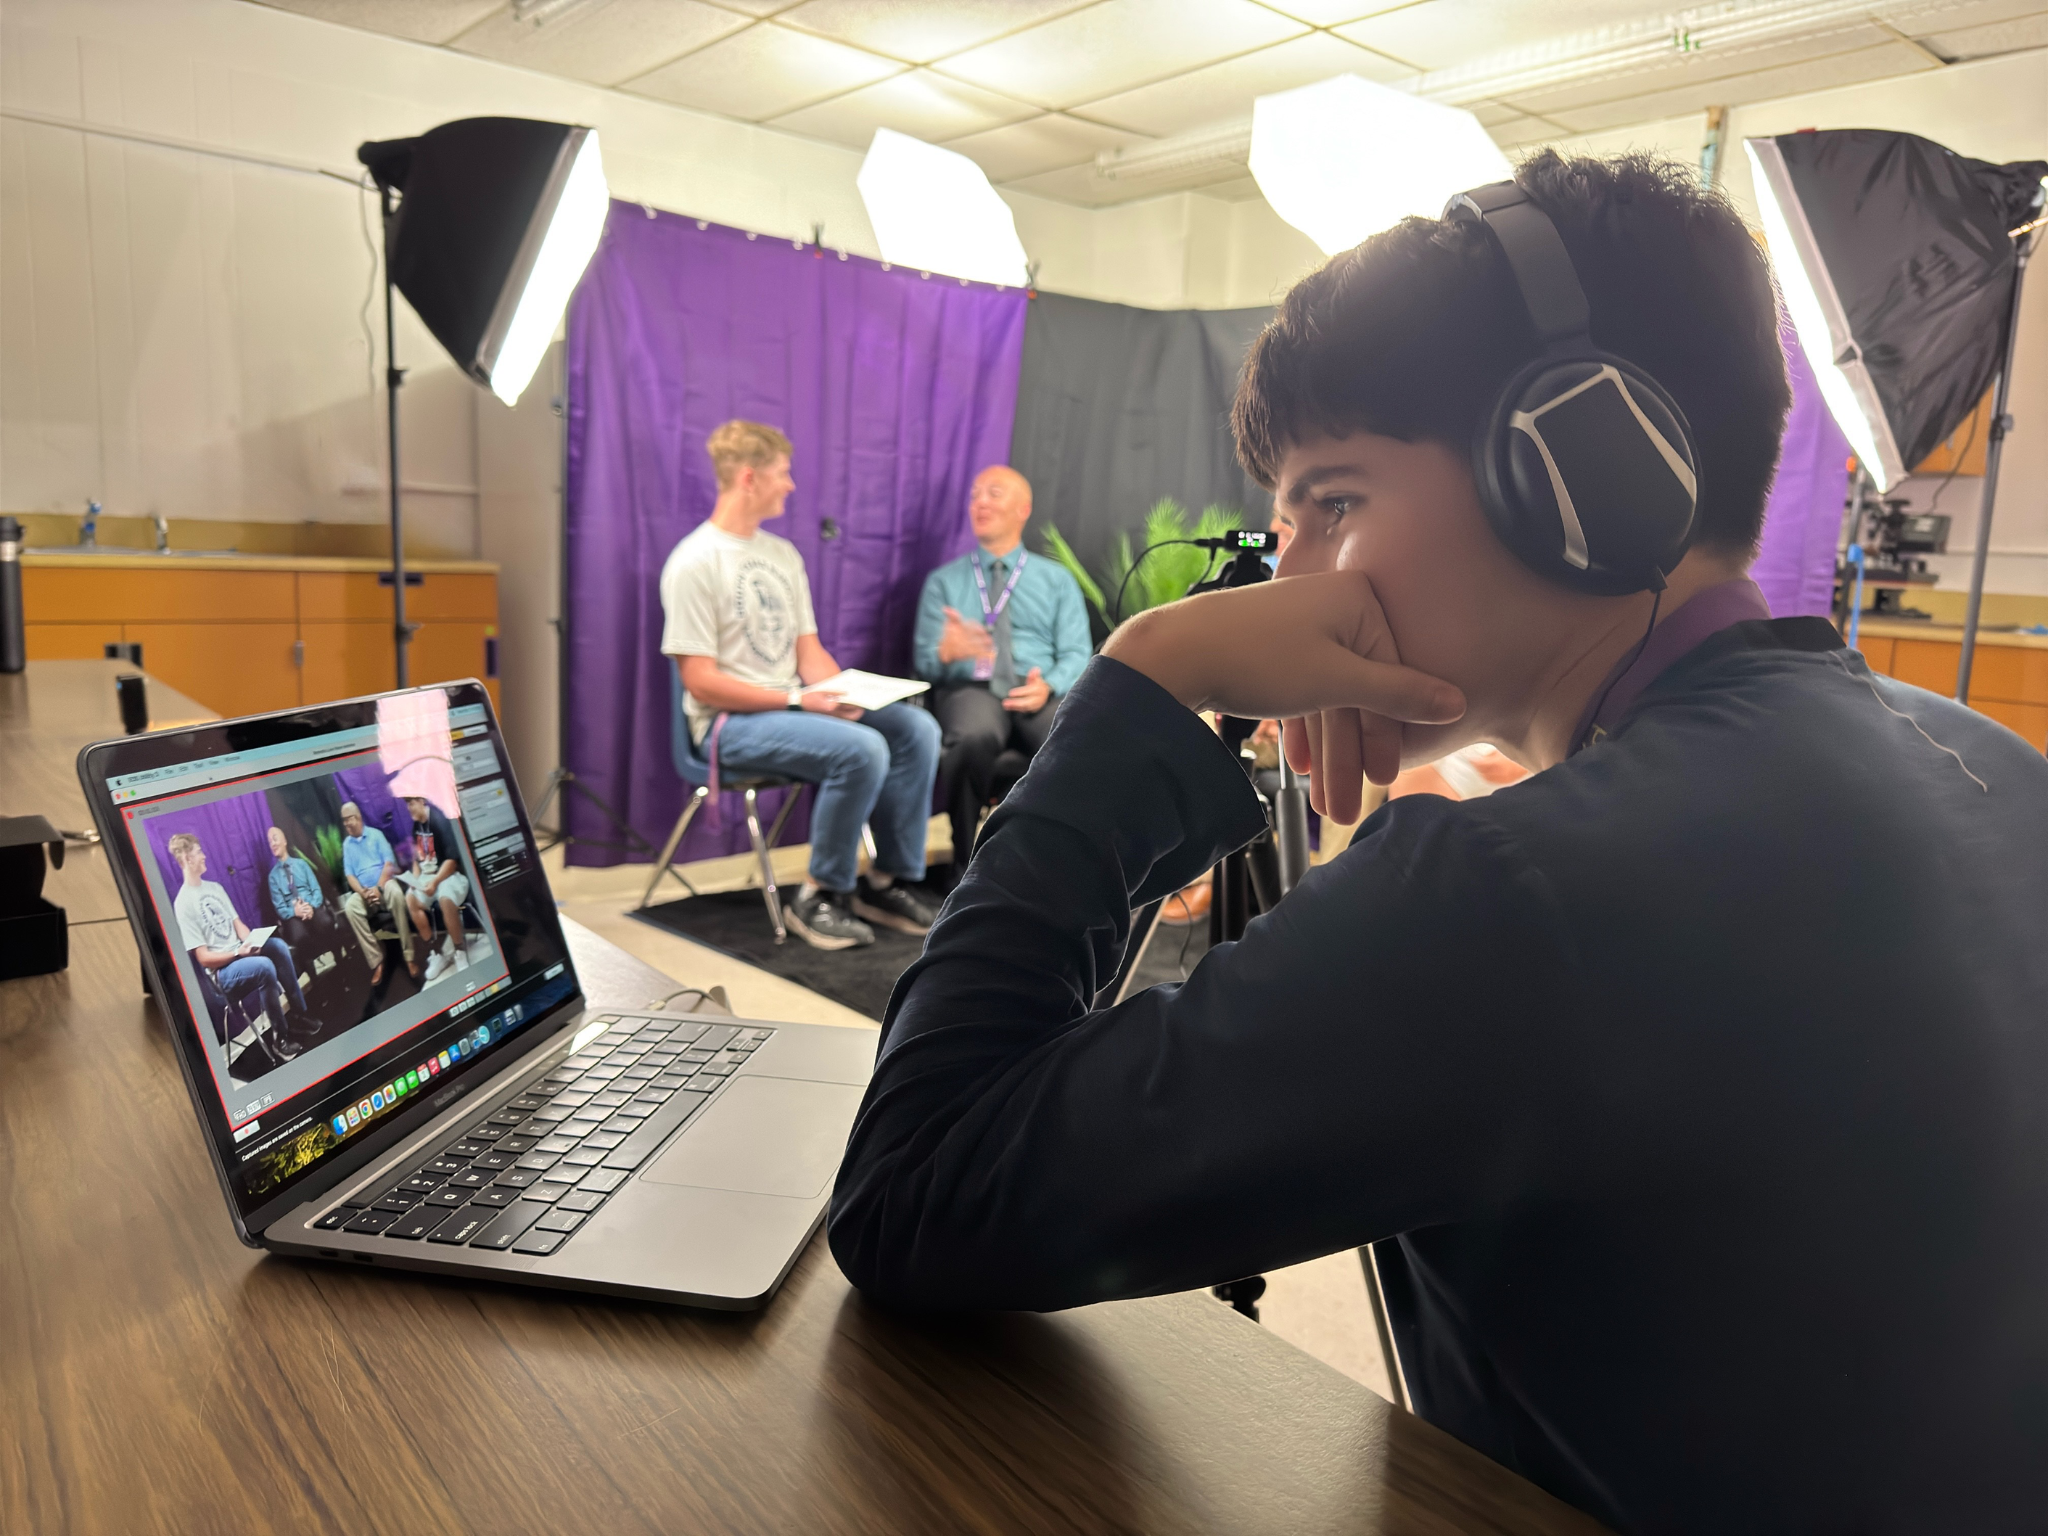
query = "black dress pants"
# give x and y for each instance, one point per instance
(976, 731)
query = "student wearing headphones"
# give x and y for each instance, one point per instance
(1693, 1091)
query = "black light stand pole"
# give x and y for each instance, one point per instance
(394, 377)
(2001, 423)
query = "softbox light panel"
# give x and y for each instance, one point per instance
(1904, 269)
(478, 200)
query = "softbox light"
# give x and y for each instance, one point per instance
(933, 209)
(495, 221)
(1896, 264)
(1345, 158)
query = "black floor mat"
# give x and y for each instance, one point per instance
(736, 922)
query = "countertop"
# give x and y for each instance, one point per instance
(149, 560)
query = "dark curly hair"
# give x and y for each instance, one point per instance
(1412, 333)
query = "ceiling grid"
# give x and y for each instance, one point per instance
(1106, 101)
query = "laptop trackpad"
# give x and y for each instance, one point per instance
(764, 1136)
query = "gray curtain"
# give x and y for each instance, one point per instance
(1117, 407)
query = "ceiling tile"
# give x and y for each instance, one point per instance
(924, 105)
(1990, 39)
(602, 41)
(424, 21)
(1917, 18)
(1218, 91)
(1080, 184)
(1118, 44)
(919, 31)
(763, 72)
(1882, 62)
(1040, 144)
(1436, 34)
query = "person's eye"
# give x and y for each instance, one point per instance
(1335, 507)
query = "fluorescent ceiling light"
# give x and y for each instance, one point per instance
(1345, 158)
(1845, 384)
(934, 210)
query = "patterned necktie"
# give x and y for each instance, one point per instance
(1004, 677)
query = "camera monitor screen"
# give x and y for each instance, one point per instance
(352, 915)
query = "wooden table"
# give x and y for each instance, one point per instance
(157, 1376)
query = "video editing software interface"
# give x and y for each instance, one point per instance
(354, 916)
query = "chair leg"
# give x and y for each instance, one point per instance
(668, 851)
(768, 892)
(867, 842)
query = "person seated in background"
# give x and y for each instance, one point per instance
(218, 939)
(303, 916)
(373, 887)
(740, 626)
(1692, 1092)
(437, 866)
(1001, 637)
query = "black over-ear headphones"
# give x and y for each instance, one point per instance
(1585, 464)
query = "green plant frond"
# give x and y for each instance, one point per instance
(1057, 547)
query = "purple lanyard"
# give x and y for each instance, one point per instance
(981, 583)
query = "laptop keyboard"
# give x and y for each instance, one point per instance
(527, 1176)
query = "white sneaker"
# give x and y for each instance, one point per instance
(461, 961)
(437, 965)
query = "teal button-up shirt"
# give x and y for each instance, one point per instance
(1048, 624)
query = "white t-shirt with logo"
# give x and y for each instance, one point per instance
(741, 601)
(206, 918)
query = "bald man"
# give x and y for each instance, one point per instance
(1001, 637)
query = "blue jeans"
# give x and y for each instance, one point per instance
(877, 769)
(270, 970)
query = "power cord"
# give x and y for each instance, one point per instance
(713, 995)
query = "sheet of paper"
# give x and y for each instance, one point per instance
(869, 690)
(258, 937)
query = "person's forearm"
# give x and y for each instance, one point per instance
(728, 695)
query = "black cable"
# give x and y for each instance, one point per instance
(1634, 656)
(1116, 609)
(1956, 468)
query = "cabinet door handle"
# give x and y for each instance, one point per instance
(298, 653)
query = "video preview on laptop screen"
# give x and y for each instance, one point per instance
(353, 917)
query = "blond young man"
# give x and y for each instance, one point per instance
(740, 625)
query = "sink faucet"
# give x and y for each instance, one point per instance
(88, 531)
(163, 533)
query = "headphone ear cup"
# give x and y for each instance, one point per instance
(1586, 470)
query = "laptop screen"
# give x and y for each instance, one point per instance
(354, 911)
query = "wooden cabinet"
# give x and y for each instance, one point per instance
(244, 637)
(2008, 681)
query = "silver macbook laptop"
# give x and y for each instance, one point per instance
(343, 914)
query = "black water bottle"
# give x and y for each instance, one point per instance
(13, 642)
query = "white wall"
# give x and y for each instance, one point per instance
(182, 333)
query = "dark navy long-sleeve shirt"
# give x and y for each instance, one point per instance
(1695, 1090)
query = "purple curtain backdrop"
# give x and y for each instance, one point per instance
(371, 792)
(236, 836)
(896, 390)
(1795, 565)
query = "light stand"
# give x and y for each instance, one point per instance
(2001, 423)
(394, 377)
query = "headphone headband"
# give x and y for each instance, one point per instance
(1584, 464)
(1543, 268)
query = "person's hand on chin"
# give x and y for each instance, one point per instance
(1312, 651)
